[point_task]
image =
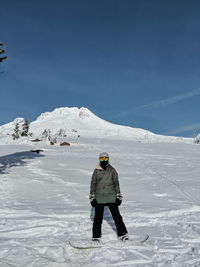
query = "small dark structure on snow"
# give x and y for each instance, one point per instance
(64, 144)
(36, 140)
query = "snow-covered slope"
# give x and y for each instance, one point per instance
(8, 128)
(44, 204)
(82, 121)
(74, 122)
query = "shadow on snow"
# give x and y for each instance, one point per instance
(17, 159)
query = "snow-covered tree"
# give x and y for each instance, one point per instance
(61, 132)
(49, 136)
(52, 140)
(25, 128)
(197, 139)
(16, 133)
(45, 133)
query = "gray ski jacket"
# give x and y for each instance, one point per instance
(105, 185)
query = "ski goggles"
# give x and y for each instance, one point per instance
(104, 159)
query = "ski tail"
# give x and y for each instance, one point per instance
(84, 247)
(146, 237)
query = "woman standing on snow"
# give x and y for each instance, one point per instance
(105, 191)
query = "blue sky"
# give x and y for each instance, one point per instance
(131, 62)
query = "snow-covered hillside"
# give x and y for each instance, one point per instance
(44, 196)
(44, 204)
(81, 122)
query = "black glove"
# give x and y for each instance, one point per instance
(118, 201)
(93, 203)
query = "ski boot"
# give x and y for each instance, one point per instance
(96, 240)
(124, 238)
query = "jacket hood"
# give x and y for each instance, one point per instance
(98, 167)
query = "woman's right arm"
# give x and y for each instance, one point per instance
(93, 183)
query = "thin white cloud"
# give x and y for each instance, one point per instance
(186, 128)
(172, 100)
(163, 102)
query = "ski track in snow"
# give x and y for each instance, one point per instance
(44, 204)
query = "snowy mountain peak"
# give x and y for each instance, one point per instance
(66, 111)
(18, 120)
(81, 122)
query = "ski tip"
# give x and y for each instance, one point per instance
(145, 239)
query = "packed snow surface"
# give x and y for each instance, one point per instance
(44, 204)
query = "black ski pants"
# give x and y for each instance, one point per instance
(98, 218)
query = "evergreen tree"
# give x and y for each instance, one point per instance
(16, 133)
(46, 133)
(52, 140)
(25, 128)
(61, 132)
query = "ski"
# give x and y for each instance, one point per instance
(146, 237)
(137, 240)
(85, 247)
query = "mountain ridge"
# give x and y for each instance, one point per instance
(81, 122)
